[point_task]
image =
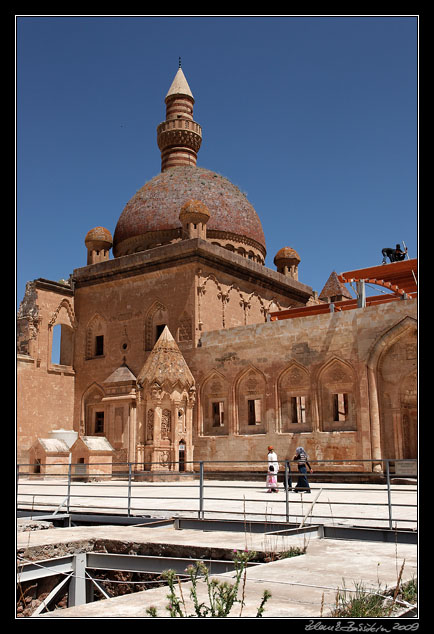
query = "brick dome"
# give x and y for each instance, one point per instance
(287, 261)
(194, 211)
(151, 217)
(286, 253)
(99, 237)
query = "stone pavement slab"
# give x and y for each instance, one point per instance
(301, 587)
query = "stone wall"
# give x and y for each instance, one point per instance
(45, 391)
(125, 302)
(315, 357)
(343, 385)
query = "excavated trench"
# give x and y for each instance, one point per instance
(31, 594)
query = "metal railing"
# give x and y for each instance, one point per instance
(210, 489)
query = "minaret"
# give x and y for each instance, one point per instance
(179, 137)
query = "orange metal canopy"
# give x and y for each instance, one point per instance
(399, 277)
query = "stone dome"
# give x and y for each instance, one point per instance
(286, 254)
(286, 261)
(98, 238)
(194, 211)
(151, 217)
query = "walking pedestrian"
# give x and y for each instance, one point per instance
(302, 462)
(273, 468)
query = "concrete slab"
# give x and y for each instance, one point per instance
(302, 587)
(216, 544)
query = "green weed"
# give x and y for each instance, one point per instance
(222, 596)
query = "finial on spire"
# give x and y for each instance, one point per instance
(179, 62)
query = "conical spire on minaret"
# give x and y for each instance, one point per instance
(179, 136)
(179, 86)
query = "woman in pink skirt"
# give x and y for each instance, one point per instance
(273, 467)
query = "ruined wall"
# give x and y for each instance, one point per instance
(45, 390)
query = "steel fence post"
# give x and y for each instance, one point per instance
(389, 496)
(129, 489)
(68, 495)
(201, 489)
(286, 484)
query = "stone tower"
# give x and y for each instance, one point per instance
(179, 137)
(287, 261)
(98, 242)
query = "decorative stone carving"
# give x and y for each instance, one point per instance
(166, 424)
(150, 425)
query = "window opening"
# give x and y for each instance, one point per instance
(298, 406)
(218, 414)
(99, 422)
(55, 344)
(160, 328)
(99, 345)
(182, 455)
(340, 407)
(254, 411)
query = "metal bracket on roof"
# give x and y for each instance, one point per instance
(361, 294)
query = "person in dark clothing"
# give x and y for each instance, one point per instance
(303, 464)
(394, 255)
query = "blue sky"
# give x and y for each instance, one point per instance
(314, 118)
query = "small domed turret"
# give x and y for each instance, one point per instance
(98, 241)
(194, 215)
(287, 261)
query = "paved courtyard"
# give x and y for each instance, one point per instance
(348, 504)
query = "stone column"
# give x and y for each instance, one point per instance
(375, 419)
(397, 433)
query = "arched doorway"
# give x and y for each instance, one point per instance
(397, 392)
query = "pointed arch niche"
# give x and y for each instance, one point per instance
(185, 328)
(96, 337)
(157, 317)
(250, 396)
(393, 374)
(61, 336)
(294, 394)
(93, 412)
(214, 399)
(337, 396)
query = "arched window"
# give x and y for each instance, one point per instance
(96, 338)
(337, 397)
(94, 410)
(156, 319)
(250, 395)
(294, 400)
(61, 333)
(215, 405)
(55, 344)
